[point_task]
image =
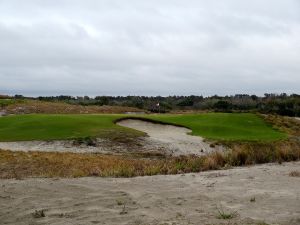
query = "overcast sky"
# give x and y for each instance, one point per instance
(149, 47)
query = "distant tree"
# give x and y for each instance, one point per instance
(254, 97)
(223, 105)
(102, 100)
(19, 97)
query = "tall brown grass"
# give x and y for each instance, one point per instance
(287, 124)
(51, 164)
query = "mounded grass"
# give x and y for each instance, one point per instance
(216, 126)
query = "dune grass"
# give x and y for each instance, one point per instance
(216, 126)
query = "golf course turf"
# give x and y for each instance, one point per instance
(216, 126)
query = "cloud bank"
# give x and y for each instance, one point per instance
(138, 47)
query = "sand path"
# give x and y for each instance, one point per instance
(174, 199)
(175, 138)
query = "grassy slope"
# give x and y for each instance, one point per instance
(219, 126)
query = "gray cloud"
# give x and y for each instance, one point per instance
(149, 47)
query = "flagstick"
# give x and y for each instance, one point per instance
(158, 105)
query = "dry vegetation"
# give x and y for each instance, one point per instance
(34, 106)
(287, 124)
(51, 164)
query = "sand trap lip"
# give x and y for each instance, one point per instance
(177, 138)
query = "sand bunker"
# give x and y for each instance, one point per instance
(176, 139)
(175, 199)
(164, 140)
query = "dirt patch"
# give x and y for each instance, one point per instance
(252, 195)
(174, 138)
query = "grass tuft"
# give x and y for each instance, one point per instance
(225, 215)
(294, 174)
(38, 214)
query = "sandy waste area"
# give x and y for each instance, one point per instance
(263, 193)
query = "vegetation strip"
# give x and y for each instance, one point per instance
(52, 164)
(282, 104)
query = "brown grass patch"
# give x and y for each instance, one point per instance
(35, 106)
(286, 124)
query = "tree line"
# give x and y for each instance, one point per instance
(282, 104)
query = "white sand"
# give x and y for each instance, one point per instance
(176, 138)
(53, 146)
(176, 199)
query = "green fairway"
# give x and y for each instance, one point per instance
(52, 127)
(218, 126)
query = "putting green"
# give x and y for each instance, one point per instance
(218, 126)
